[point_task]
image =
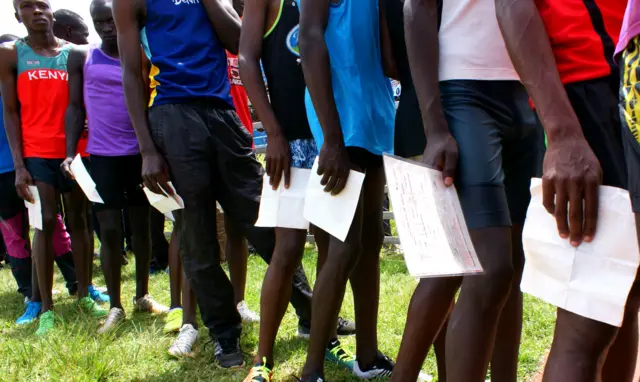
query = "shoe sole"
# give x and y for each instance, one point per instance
(234, 367)
(182, 355)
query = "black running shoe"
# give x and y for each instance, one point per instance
(228, 354)
(382, 368)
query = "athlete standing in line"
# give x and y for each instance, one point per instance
(95, 82)
(269, 35)
(34, 95)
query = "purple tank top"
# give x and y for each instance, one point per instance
(630, 26)
(110, 130)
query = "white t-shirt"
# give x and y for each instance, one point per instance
(471, 44)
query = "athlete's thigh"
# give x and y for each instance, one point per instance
(108, 177)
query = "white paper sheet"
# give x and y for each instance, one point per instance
(164, 203)
(333, 214)
(592, 280)
(433, 233)
(84, 180)
(34, 209)
(284, 207)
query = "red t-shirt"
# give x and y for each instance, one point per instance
(239, 95)
(583, 35)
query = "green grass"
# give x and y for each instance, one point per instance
(137, 352)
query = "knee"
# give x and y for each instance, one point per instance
(344, 258)
(496, 283)
(372, 238)
(77, 220)
(110, 231)
(49, 221)
(287, 255)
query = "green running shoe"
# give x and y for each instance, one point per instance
(47, 321)
(339, 355)
(87, 305)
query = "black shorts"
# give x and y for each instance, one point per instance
(48, 171)
(630, 117)
(497, 138)
(363, 159)
(10, 202)
(596, 105)
(118, 181)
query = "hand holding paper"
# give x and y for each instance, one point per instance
(284, 207)
(164, 203)
(34, 209)
(84, 180)
(332, 213)
(592, 280)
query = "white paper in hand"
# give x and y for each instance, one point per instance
(84, 180)
(433, 233)
(592, 280)
(164, 203)
(333, 214)
(34, 209)
(284, 207)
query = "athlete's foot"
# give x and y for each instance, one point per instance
(47, 322)
(90, 307)
(260, 372)
(228, 354)
(30, 314)
(147, 304)
(346, 327)
(114, 319)
(248, 316)
(173, 321)
(337, 354)
(183, 345)
(98, 296)
(383, 367)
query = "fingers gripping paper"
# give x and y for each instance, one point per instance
(84, 180)
(165, 203)
(433, 234)
(284, 207)
(332, 213)
(592, 280)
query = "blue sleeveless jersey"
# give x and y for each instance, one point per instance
(188, 60)
(362, 92)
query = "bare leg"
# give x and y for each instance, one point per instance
(237, 256)
(175, 271)
(504, 362)
(43, 245)
(140, 232)
(474, 319)
(75, 203)
(110, 253)
(439, 347)
(276, 288)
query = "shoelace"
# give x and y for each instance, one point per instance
(341, 353)
(182, 341)
(261, 371)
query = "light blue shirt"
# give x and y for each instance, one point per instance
(362, 92)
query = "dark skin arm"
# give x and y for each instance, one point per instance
(421, 31)
(334, 163)
(571, 171)
(388, 61)
(226, 22)
(76, 114)
(11, 115)
(128, 15)
(278, 157)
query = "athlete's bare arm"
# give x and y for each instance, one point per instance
(129, 16)
(76, 114)
(11, 115)
(333, 165)
(388, 61)
(571, 170)
(421, 31)
(257, 18)
(225, 21)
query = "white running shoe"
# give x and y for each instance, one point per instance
(247, 315)
(183, 345)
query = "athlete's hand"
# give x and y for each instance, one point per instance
(278, 161)
(155, 174)
(23, 180)
(570, 183)
(441, 153)
(334, 166)
(66, 168)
